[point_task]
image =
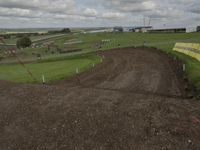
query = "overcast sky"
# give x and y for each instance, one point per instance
(92, 13)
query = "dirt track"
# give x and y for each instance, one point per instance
(134, 100)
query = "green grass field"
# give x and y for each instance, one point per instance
(62, 68)
(53, 69)
(131, 39)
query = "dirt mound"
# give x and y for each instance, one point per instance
(135, 99)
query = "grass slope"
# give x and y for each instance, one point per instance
(53, 69)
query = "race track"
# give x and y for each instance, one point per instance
(134, 100)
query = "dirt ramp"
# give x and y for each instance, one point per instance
(137, 70)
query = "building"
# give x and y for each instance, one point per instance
(142, 29)
(172, 30)
(198, 28)
(118, 29)
(191, 29)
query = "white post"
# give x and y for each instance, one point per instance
(43, 79)
(77, 70)
(93, 65)
(184, 67)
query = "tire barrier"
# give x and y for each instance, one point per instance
(190, 49)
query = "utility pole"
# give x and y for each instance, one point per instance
(144, 21)
(149, 21)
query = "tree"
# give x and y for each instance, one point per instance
(7, 36)
(63, 31)
(24, 42)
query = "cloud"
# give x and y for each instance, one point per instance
(112, 15)
(129, 5)
(90, 12)
(16, 12)
(167, 13)
(44, 5)
(148, 5)
(49, 13)
(194, 7)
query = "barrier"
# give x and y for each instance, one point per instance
(190, 49)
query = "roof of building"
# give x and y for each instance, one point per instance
(168, 29)
(143, 27)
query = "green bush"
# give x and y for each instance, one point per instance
(63, 31)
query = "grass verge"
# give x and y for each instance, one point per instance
(52, 69)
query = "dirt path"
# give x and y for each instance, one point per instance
(134, 100)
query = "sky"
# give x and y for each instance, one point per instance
(98, 13)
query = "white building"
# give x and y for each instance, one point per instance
(191, 29)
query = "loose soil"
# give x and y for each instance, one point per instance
(136, 99)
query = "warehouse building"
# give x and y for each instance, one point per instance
(143, 29)
(172, 30)
(118, 29)
(198, 28)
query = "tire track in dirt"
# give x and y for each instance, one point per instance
(136, 70)
(133, 100)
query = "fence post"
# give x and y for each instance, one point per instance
(77, 70)
(43, 79)
(184, 67)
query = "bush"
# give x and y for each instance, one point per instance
(63, 31)
(24, 42)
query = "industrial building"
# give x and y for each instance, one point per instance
(118, 29)
(137, 29)
(193, 29)
(198, 28)
(143, 29)
(171, 30)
